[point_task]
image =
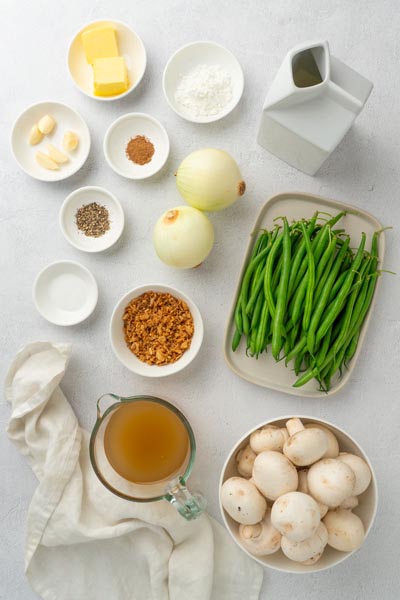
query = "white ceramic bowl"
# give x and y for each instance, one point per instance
(188, 58)
(366, 509)
(65, 292)
(66, 119)
(130, 47)
(87, 195)
(118, 135)
(128, 359)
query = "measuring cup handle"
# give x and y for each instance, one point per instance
(188, 505)
(113, 396)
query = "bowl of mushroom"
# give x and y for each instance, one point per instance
(298, 494)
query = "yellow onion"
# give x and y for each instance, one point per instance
(209, 180)
(183, 237)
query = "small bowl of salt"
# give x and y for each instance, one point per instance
(203, 82)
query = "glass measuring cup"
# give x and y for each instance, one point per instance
(173, 488)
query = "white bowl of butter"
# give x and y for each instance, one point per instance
(106, 60)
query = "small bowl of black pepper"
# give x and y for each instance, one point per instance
(136, 146)
(91, 219)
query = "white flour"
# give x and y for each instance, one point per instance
(205, 91)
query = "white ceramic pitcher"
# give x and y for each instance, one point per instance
(310, 106)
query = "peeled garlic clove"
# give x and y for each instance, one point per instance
(46, 124)
(70, 141)
(45, 161)
(35, 136)
(56, 154)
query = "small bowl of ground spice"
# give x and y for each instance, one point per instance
(91, 219)
(136, 146)
(156, 330)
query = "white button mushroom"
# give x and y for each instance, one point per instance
(245, 459)
(242, 501)
(269, 437)
(331, 481)
(333, 444)
(308, 551)
(361, 471)
(345, 530)
(350, 503)
(303, 487)
(304, 446)
(274, 474)
(312, 560)
(296, 516)
(260, 539)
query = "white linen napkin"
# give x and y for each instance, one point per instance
(84, 543)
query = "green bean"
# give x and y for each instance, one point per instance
(337, 363)
(296, 349)
(298, 363)
(259, 282)
(261, 265)
(238, 315)
(352, 347)
(337, 285)
(252, 342)
(321, 354)
(324, 266)
(277, 318)
(310, 279)
(318, 245)
(349, 310)
(299, 253)
(262, 329)
(331, 315)
(237, 336)
(262, 242)
(276, 275)
(268, 292)
(357, 321)
(322, 300)
(350, 344)
(294, 333)
(245, 285)
(296, 306)
(255, 319)
(286, 346)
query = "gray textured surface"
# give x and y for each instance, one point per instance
(363, 171)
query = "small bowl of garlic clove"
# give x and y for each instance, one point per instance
(50, 141)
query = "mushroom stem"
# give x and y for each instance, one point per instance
(245, 460)
(349, 503)
(251, 531)
(294, 425)
(262, 538)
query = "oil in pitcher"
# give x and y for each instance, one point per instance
(305, 70)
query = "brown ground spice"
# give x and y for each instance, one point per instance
(139, 150)
(158, 328)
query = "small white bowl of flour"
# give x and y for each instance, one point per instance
(203, 82)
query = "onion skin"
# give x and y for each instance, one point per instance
(183, 237)
(209, 180)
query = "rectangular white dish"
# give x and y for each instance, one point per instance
(295, 205)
